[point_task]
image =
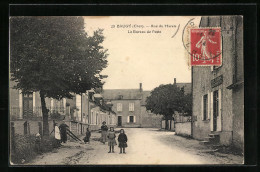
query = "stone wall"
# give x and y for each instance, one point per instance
(150, 120)
(125, 111)
(183, 128)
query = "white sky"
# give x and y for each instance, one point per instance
(148, 58)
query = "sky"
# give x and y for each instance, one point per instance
(152, 59)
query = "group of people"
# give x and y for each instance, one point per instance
(60, 133)
(110, 137)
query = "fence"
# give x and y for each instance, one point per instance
(35, 112)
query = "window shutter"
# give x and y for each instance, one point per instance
(209, 97)
(202, 109)
(211, 111)
(219, 125)
(134, 119)
(127, 119)
(130, 106)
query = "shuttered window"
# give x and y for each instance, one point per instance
(131, 107)
(119, 107)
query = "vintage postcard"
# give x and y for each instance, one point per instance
(126, 90)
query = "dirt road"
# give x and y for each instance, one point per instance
(145, 146)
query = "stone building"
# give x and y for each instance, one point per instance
(129, 105)
(218, 92)
(87, 110)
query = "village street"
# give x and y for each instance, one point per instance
(145, 146)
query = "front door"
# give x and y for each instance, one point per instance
(119, 121)
(215, 109)
(27, 105)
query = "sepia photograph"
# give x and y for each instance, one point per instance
(126, 90)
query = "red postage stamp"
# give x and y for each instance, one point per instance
(205, 47)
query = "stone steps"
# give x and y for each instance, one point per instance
(212, 139)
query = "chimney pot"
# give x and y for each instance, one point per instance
(141, 88)
(174, 80)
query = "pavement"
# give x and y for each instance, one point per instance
(146, 146)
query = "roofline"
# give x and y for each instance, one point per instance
(122, 99)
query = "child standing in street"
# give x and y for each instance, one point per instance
(122, 139)
(87, 137)
(111, 139)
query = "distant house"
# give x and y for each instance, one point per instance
(129, 105)
(89, 110)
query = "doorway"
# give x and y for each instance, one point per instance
(215, 109)
(119, 121)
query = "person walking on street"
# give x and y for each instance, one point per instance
(104, 129)
(63, 131)
(57, 135)
(111, 139)
(87, 137)
(122, 139)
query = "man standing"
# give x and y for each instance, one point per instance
(104, 132)
(63, 131)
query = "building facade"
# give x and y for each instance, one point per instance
(218, 92)
(129, 105)
(87, 110)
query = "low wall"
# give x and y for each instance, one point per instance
(183, 128)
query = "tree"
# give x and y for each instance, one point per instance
(165, 100)
(56, 57)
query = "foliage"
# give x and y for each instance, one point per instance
(55, 56)
(166, 99)
(55, 115)
(25, 148)
(187, 105)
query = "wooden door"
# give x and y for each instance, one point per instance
(119, 120)
(215, 110)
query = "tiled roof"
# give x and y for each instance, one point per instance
(113, 94)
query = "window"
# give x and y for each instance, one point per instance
(92, 118)
(119, 107)
(131, 119)
(205, 107)
(131, 107)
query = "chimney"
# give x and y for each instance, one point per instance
(140, 88)
(174, 81)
